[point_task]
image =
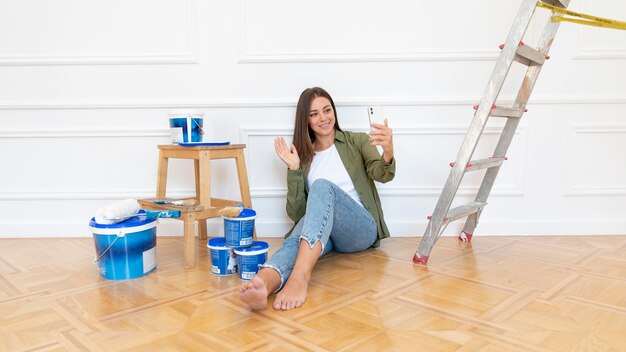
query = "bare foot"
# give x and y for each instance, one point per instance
(254, 293)
(293, 294)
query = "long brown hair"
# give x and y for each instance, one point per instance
(303, 136)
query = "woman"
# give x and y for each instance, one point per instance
(331, 197)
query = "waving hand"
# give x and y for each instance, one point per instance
(288, 155)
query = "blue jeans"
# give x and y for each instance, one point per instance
(333, 218)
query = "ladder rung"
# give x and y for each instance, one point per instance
(528, 56)
(506, 112)
(481, 164)
(498, 111)
(463, 211)
(556, 3)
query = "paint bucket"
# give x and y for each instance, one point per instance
(223, 258)
(125, 250)
(249, 258)
(186, 128)
(239, 231)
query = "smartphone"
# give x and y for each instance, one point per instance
(375, 115)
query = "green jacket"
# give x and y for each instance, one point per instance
(364, 165)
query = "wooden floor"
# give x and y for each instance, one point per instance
(495, 294)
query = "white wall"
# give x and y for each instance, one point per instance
(85, 89)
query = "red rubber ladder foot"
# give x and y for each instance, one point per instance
(465, 237)
(420, 259)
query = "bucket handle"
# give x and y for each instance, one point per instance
(196, 123)
(121, 234)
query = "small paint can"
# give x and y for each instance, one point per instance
(223, 257)
(249, 258)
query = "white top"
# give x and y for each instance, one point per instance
(327, 164)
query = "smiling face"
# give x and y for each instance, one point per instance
(322, 118)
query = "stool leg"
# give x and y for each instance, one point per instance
(202, 170)
(188, 241)
(203, 179)
(196, 171)
(202, 231)
(202, 167)
(161, 175)
(244, 187)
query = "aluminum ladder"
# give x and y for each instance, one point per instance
(512, 50)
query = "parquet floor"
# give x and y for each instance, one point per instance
(496, 294)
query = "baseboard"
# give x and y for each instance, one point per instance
(278, 228)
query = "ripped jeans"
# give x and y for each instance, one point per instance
(333, 218)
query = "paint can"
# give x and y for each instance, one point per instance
(186, 127)
(239, 231)
(249, 258)
(125, 250)
(223, 258)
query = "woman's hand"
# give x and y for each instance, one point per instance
(382, 135)
(288, 156)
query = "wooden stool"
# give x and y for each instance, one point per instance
(207, 207)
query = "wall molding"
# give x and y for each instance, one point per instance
(86, 194)
(588, 54)
(399, 228)
(84, 133)
(572, 190)
(148, 59)
(90, 194)
(246, 57)
(103, 104)
(189, 57)
(247, 131)
(394, 192)
(409, 56)
(595, 54)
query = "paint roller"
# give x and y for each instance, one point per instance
(126, 209)
(231, 212)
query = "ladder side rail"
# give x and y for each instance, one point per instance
(505, 61)
(545, 42)
(506, 137)
(498, 76)
(492, 91)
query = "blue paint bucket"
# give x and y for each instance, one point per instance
(125, 250)
(186, 128)
(249, 258)
(239, 231)
(223, 258)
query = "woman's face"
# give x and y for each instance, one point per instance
(322, 117)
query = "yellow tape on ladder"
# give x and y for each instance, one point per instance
(588, 20)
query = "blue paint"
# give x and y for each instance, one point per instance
(125, 250)
(239, 231)
(153, 214)
(186, 129)
(223, 258)
(249, 258)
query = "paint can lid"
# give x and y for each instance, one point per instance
(217, 243)
(257, 247)
(246, 214)
(138, 220)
